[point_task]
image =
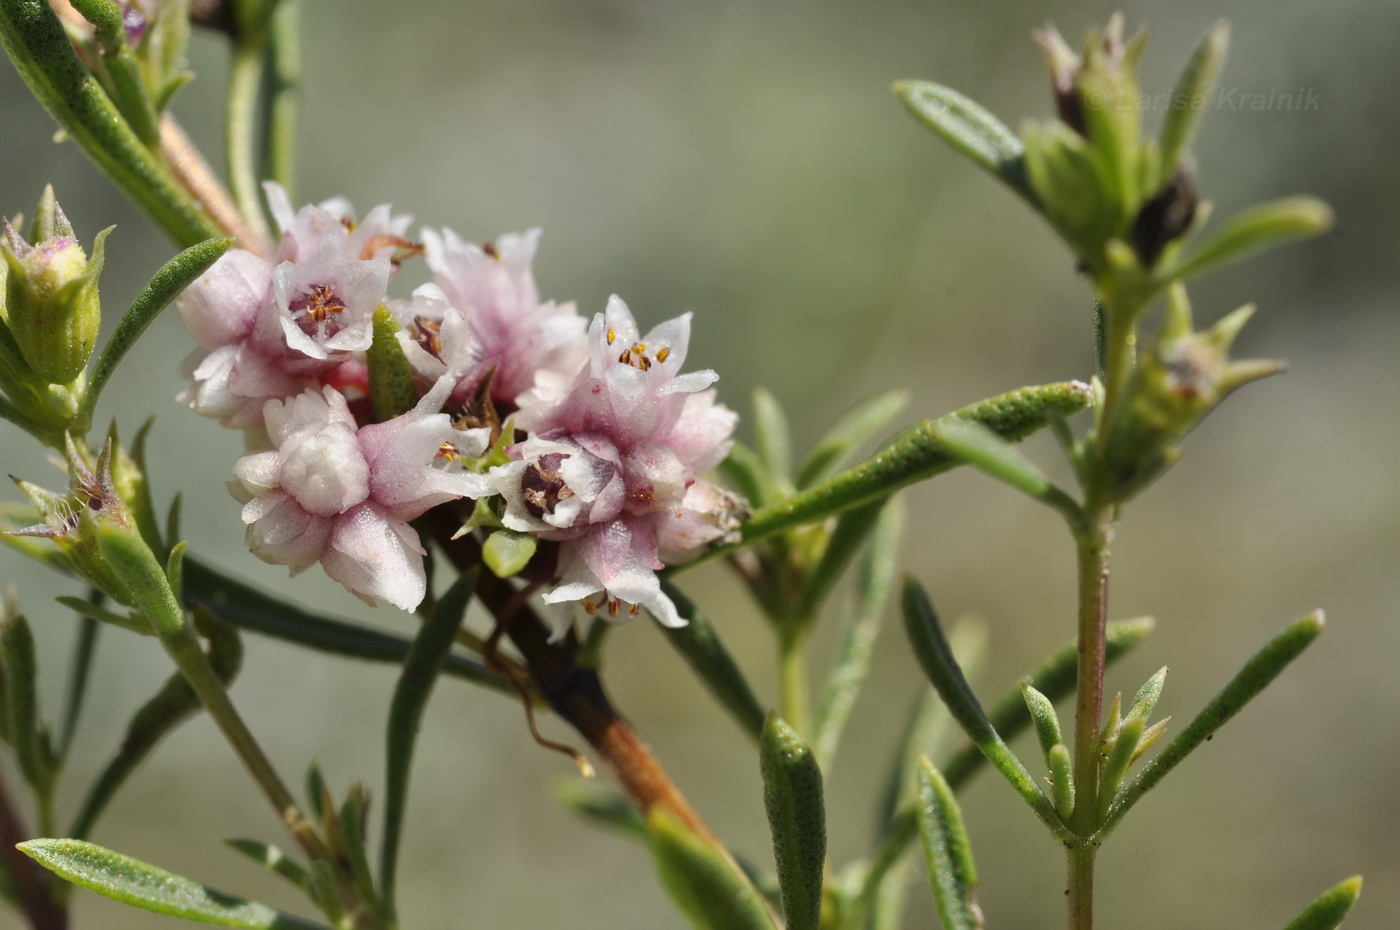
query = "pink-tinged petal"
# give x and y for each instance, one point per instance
(654, 475)
(671, 339)
(284, 533)
(377, 558)
(219, 307)
(707, 514)
(689, 383)
(701, 434)
(257, 472)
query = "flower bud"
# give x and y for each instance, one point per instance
(1178, 382)
(51, 299)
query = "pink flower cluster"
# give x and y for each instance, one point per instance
(607, 440)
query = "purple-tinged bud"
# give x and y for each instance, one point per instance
(51, 299)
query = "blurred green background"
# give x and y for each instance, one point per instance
(746, 161)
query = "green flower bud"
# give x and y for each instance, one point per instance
(1177, 383)
(51, 301)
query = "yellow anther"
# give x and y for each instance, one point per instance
(663, 354)
(612, 334)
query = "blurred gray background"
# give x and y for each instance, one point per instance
(747, 161)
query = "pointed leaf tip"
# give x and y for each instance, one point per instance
(1330, 908)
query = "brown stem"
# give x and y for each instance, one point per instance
(575, 692)
(32, 884)
(197, 177)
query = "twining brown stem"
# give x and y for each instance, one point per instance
(197, 177)
(574, 692)
(33, 886)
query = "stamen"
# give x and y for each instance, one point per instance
(663, 353)
(447, 452)
(318, 304)
(490, 249)
(613, 606)
(634, 610)
(612, 335)
(626, 357)
(589, 607)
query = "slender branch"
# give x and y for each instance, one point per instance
(283, 93)
(240, 122)
(794, 702)
(574, 691)
(32, 884)
(196, 176)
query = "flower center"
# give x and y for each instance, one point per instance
(636, 354)
(317, 305)
(542, 488)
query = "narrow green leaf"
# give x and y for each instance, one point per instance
(172, 705)
(317, 794)
(507, 552)
(1061, 780)
(792, 795)
(1054, 678)
(21, 679)
(969, 129)
(852, 429)
(1147, 696)
(1262, 227)
(250, 609)
(1120, 756)
(274, 860)
(985, 450)
(706, 886)
(391, 386)
(913, 456)
(1192, 96)
(135, 566)
(43, 55)
(936, 658)
(874, 580)
(352, 835)
(1047, 722)
(929, 728)
(421, 668)
(1263, 667)
(144, 886)
(135, 623)
(122, 70)
(603, 807)
(948, 853)
(772, 435)
(167, 284)
(850, 533)
(1330, 908)
(700, 646)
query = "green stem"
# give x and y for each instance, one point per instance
(241, 121)
(283, 92)
(1092, 538)
(192, 663)
(793, 700)
(1081, 887)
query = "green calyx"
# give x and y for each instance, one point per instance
(51, 300)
